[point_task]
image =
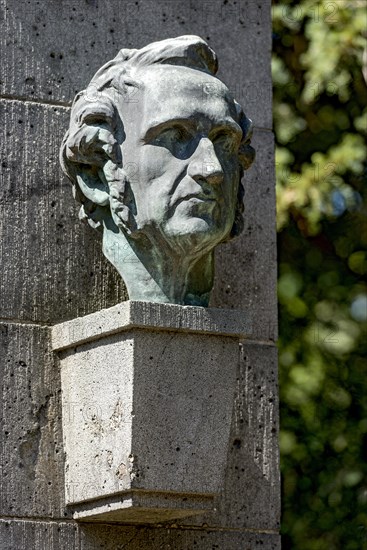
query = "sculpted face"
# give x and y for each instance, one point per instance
(155, 156)
(181, 156)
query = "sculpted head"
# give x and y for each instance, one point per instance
(156, 150)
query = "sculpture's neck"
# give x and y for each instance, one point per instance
(151, 274)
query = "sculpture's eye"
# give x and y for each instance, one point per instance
(176, 138)
(173, 134)
(227, 141)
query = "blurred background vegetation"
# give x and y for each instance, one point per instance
(320, 120)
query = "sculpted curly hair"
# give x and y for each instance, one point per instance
(97, 129)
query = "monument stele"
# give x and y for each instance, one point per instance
(156, 151)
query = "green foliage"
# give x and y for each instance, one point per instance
(320, 120)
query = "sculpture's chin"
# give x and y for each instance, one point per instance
(194, 233)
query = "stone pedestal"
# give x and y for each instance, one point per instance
(147, 393)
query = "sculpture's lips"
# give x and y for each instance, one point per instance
(196, 197)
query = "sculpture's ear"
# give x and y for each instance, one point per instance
(87, 146)
(246, 156)
(246, 152)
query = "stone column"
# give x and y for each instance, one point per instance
(53, 269)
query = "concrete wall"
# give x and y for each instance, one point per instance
(52, 268)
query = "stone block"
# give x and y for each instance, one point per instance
(52, 264)
(32, 477)
(147, 410)
(150, 315)
(66, 43)
(103, 537)
(250, 498)
(245, 269)
(37, 535)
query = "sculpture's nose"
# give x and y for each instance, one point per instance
(204, 164)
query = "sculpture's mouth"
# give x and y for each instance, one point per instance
(202, 198)
(196, 197)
